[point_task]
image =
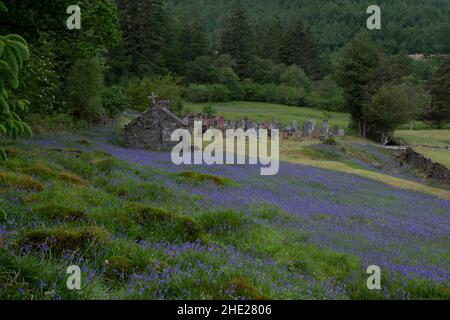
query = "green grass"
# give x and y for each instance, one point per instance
(435, 138)
(433, 144)
(258, 111)
(128, 220)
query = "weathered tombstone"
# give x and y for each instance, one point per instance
(336, 130)
(306, 130)
(298, 136)
(221, 123)
(294, 125)
(266, 125)
(285, 135)
(311, 127)
(316, 132)
(326, 128)
(341, 133)
(313, 124)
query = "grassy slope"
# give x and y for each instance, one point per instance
(101, 207)
(430, 143)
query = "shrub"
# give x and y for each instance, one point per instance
(167, 87)
(291, 96)
(230, 79)
(295, 76)
(115, 100)
(330, 141)
(207, 93)
(84, 86)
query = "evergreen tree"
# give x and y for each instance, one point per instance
(439, 111)
(144, 23)
(355, 72)
(236, 38)
(269, 34)
(300, 48)
(193, 40)
(84, 86)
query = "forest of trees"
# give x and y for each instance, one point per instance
(300, 53)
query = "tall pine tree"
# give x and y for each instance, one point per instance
(236, 38)
(144, 23)
(300, 48)
(269, 34)
(193, 40)
(439, 111)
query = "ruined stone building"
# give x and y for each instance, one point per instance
(153, 128)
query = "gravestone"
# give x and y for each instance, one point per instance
(294, 125)
(306, 130)
(298, 136)
(326, 128)
(285, 135)
(316, 132)
(341, 133)
(336, 130)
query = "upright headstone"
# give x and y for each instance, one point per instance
(298, 136)
(336, 130)
(305, 130)
(294, 125)
(316, 132)
(285, 135)
(341, 133)
(326, 128)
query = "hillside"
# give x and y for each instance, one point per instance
(411, 25)
(142, 228)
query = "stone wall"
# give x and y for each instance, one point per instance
(152, 130)
(433, 170)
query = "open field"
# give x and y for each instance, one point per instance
(267, 111)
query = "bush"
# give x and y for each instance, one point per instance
(295, 76)
(326, 95)
(84, 86)
(259, 92)
(288, 95)
(115, 100)
(230, 79)
(166, 87)
(207, 93)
